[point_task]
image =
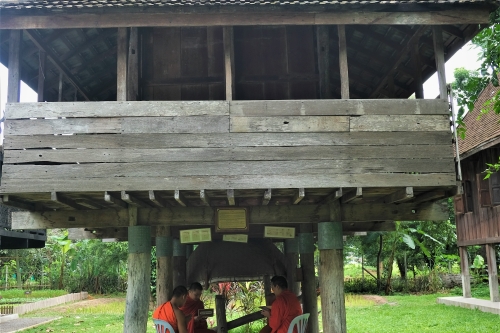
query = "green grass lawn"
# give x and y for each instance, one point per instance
(418, 314)
(402, 314)
(18, 296)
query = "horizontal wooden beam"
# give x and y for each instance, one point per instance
(276, 17)
(330, 107)
(121, 233)
(255, 181)
(186, 216)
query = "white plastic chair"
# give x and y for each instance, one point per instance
(162, 326)
(300, 322)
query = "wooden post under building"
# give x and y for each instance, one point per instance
(164, 271)
(139, 275)
(179, 264)
(491, 259)
(13, 86)
(331, 276)
(292, 260)
(309, 298)
(464, 267)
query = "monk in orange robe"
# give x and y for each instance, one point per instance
(196, 324)
(170, 312)
(284, 309)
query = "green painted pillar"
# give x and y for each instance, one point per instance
(331, 277)
(139, 279)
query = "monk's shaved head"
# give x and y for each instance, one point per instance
(195, 286)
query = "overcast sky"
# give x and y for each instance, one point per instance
(466, 57)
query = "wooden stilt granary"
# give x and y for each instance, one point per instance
(189, 121)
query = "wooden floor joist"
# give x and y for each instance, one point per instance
(399, 196)
(115, 202)
(267, 197)
(132, 200)
(230, 197)
(64, 200)
(353, 195)
(205, 199)
(157, 200)
(299, 196)
(179, 198)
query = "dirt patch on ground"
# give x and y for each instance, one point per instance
(379, 300)
(90, 302)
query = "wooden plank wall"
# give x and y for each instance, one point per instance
(113, 146)
(271, 62)
(482, 225)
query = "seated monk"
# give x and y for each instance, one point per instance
(284, 309)
(169, 311)
(196, 324)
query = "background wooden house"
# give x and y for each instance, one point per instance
(477, 210)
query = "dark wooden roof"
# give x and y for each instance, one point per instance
(483, 130)
(82, 4)
(88, 57)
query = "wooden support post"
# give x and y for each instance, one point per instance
(13, 85)
(164, 271)
(121, 64)
(417, 65)
(179, 263)
(230, 197)
(292, 260)
(133, 66)
(491, 258)
(309, 298)
(59, 97)
(331, 276)
(267, 285)
(323, 44)
(229, 62)
(211, 62)
(220, 309)
(344, 72)
(437, 34)
(189, 250)
(139, 275)
(464, 266)
(42, 56)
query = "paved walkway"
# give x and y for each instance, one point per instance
(472, 303)
(22, 324)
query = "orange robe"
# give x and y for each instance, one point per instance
(191, 307)
(284, 309)
(166, 312)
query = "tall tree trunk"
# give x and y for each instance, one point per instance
(18, 272)
(378, 261)
(61, 276)
(389, 268)
(401, 265)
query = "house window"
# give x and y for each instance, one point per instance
(489, 190)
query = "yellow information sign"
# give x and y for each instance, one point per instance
(238, 238)
(231, 220)
(279, 232)
(195, 236)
